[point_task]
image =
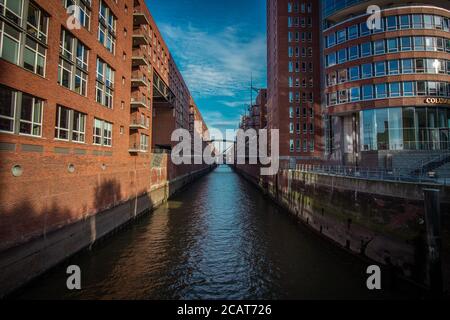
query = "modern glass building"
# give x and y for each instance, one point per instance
(386, 88)
(331, 6)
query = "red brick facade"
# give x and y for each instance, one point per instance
(293, 92)
(47, 183)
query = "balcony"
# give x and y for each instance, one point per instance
(139, 58)
(136, 148)
(140, 37)
(138, 79)
(138, 123)
(138, 101)
(139, 17)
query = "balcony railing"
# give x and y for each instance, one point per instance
(139, 57)
(138, 101)
(137, 148)
(140, 36)
(139, 17)
(138, 79)
(138, 123)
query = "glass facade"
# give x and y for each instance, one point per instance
(408, 128)
(331, 6)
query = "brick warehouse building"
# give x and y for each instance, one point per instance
(293, 78)
(386, 90)
(81, 110)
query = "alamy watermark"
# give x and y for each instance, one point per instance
(374, 20)
(249, 147)
(74, 280)
(74, 20)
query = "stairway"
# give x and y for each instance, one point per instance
(439, 162)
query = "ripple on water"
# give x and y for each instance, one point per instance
(220, 238)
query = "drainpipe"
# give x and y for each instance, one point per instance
(434, 241)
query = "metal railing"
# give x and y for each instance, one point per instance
(427, 164)
(369, 173)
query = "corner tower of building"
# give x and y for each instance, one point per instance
(386, 83)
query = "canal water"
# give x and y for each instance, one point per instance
(218, 239)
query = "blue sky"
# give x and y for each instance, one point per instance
(216, 45)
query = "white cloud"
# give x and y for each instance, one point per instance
(217, 63)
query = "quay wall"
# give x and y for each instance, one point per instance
(47, 214)
(379, 220)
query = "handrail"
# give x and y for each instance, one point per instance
(367, 173)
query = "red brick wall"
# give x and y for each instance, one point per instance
(47, 196)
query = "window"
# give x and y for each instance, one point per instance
(432, 88)
(380, 90)
(366, 70)
(353, 52)
(394, 67)
(78, 126)
(144, 142)
(394, 89)
(353, 32)
(12, 40)
(342, 75)
(342, 55)
(107, 28)
(391, 23)
(354, 94)
(364, 30)
(354, 73)
(380, 69)
(331, 40)
(62, 126)
(366, 49)
(16, 106)
(34, 56)
(331, 59)
(420, 65)
(428, 21)
(417, 21)
(392, 45)
(379, 47)
(408, 89)
(37, 23)
(7, 109)
(84, 12)
(341, 36)
(30, 116)
(104, 84)
(70, 125)
(405, 22)
(430, 44)
(73, 63)
(407, 66)
(10, 43)
(405, 43)
(419, 43)
(343, 96)
(102, 133)
(291, 145)
(367, 92)
(438, 22)
(421, 88)
(332, 99)
(12, 9)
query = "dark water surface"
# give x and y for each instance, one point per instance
(218, 239)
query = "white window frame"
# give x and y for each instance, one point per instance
(13, 118)
(32, 122)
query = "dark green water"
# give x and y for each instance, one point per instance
(218, 239)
